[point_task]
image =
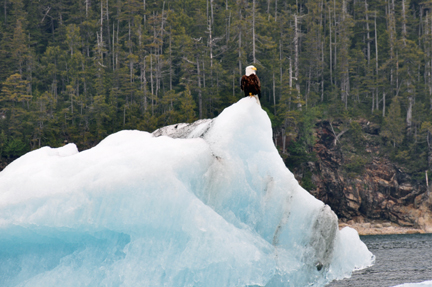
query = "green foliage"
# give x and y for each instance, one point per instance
(306, 181)
(187, 107)
(14, 148)
(271, 116)
(393, 126)
(355, 164)
(298, 153)
(3, 142)
(306, 133)
(356, 134)
(70, 73)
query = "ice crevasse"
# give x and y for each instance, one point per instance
(203, 204)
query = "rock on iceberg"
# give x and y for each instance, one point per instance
(203, 204)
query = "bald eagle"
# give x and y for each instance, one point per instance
(250, 83)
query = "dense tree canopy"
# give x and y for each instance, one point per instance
(77, 71)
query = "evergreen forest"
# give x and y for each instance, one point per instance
(77, 71)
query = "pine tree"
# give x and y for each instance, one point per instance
(187, 107)
(393, 127)
(15, 102)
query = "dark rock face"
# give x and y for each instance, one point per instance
(369, 128)
(381, 191)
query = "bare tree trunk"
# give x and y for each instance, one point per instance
(345, 84)
(296, 60)
(30, 77)
(377, 100)
(253, 33)
(124, 114)
(113, 47)
(330, 49)
(87, 3)
(409, 113)
(142, 76)
(384, 104)
(228, 28)
(131, 70)
(144, 84)
(290, 74)
(392, 32)
(210, 42)
(71, 102)
(408, 81)
(283, 141)
(376, 47)
(268, 9)
(274, 94)
(211, 12)
(108, 28)
(240, 64)
(428, 138)
(162, 28)
(129, 37)
(170, 60)
(199, 91)
(322, 71)
(151, 75)
(204, 79)
(5, 12)
(158, 74)
(290, 83)
(430, 62)
(308, 86)
(404, 22)
(335, 36)
(367, 32)
(101, 31)
(77, 95)
(397, 73)
(321, 47)
(280, 67)
(428, 51)
(376, 59)
(233, 86)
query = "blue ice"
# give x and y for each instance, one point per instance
(203, 204)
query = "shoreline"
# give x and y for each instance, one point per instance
(380, 228)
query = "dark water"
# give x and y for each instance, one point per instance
(399, 259)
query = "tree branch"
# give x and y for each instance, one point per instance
(49, 8)
(337, 136)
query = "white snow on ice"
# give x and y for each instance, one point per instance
(421, 284)
(206, 204)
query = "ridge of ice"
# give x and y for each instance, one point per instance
(203, 204)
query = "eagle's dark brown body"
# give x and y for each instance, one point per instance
(251, 84)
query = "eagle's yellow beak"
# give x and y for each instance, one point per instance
(253, 68)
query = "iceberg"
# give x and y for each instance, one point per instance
(203, 204)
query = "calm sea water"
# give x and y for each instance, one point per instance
(399, 259)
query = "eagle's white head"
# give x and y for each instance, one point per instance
(250, 70)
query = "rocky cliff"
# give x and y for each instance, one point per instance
(360, 183)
